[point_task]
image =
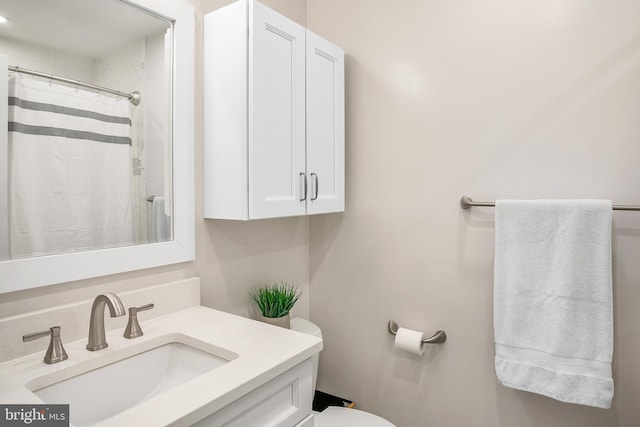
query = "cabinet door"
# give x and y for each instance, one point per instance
(325, 125)
(225, 113)
(276, 114)
(285, 401)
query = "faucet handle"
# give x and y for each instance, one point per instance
(55, 352)
(142, 307)
(133, 329)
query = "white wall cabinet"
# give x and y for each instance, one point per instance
(274, 116)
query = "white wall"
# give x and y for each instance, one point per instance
(492, 99)
(46, 60)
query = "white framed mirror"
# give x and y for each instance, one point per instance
(17, 273)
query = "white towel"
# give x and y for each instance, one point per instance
(160, 230)
(553, 309)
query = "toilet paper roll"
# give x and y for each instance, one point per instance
(409, 340)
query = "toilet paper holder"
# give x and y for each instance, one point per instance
(438, 338)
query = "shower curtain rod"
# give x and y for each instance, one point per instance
(133, 97)
(466, 203)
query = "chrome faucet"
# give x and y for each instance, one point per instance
(97, 339)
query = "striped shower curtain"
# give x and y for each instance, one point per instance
(70, 177)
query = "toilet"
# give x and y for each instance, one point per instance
(335, 416)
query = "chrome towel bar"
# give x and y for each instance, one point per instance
(466, 203)
(437, 338)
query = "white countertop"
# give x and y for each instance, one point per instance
(263, 352)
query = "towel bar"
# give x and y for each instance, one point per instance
(437, 338)
(466, 203)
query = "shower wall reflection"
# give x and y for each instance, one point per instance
(81, 169)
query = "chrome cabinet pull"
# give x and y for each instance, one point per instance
(315, 180)
(303, 186)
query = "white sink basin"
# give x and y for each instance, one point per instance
(106, 391)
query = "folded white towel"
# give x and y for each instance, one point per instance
(160, 223)
(553, 309)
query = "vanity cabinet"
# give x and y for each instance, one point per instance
(285, 401)
(273, 114)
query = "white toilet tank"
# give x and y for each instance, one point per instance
(335, 416)
(306, 327)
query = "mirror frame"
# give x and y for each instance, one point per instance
(29, 273)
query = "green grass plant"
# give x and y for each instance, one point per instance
(275, 300)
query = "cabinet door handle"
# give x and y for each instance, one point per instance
(303, 186)
(315, 180)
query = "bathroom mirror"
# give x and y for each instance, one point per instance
(136, 180)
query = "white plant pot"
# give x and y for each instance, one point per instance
(283, 322)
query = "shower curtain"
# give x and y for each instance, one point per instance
(70, 169)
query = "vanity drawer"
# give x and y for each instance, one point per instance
(284, 401)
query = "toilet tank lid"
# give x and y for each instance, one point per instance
(301, 325)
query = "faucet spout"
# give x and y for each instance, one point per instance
(97, 338)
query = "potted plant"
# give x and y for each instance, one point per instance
(275, 301)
